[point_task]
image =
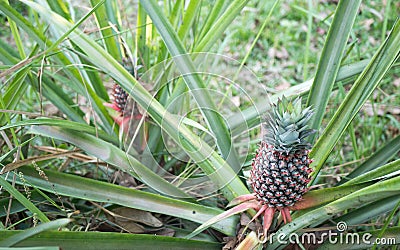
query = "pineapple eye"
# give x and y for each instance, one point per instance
(273, 188)
(278, 181)
(284, 172)
(295, 174)
(274, 174)
(288, 203)
(269, 195)
(281, 164)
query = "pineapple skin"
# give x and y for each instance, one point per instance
(120, 98)
(280, 179)
(281, 168)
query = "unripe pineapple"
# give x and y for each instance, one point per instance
(121, 101)
(120, 98)
(280, 170)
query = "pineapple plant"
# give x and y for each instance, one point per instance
(129, 114)
(281, 168)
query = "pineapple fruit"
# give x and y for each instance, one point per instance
(280, 170)
(281, 167)
(120, 98)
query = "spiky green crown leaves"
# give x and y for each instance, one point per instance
(286, 126)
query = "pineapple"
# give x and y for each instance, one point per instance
(280, 170)
(124, 105)
(121, 103)
(120, 99)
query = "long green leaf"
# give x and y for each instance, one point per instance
(113, 13)
(64, 124)
(30, 248)
(13, 93)
(330, 61)
(384, 171)
(323, 196)
(188, 19)
(60, 8)
(142, 50)
(368, 194)
(217, 8)
(369, 211)
(111, 241)
(88, 189)
(220, 25)
(357, 96)
(379, 158)
(106, 30)
(20, 236)
(113, 155)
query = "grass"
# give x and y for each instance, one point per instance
(63, 156)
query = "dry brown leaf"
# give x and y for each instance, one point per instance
(135, 215)
(127, 225)
(166, 232)
(244, 219)
(124, 179)
(367, 23)
(30, 160)
(282, 53)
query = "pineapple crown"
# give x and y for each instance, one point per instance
(286, 126)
